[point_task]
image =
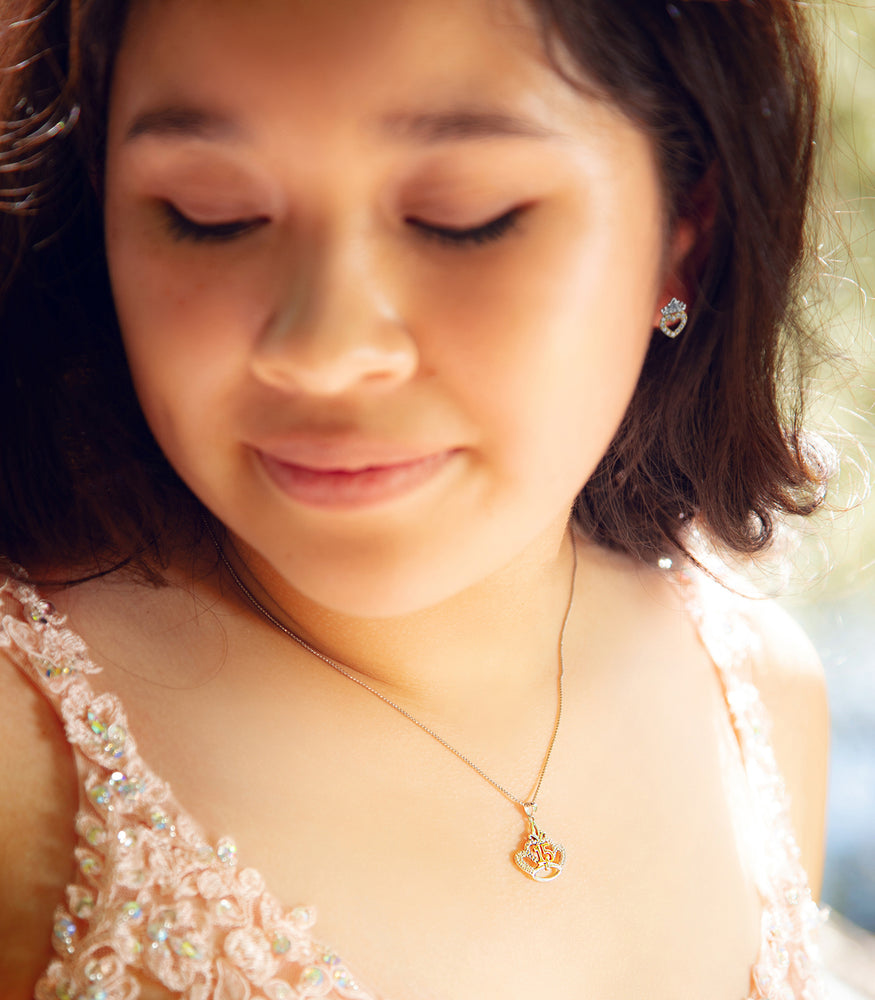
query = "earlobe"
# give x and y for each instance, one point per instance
(671, 315)
(688, 251)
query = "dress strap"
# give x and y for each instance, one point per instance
(153, 897)
(33, 636)
(790, 916)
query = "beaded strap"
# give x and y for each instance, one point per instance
(786, 968)
(153, 899)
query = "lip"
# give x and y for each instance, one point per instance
(348, 481)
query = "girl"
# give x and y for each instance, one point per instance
(370, 372)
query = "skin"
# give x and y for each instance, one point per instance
(339, 318)
(343, 319)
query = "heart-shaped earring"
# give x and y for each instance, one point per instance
(674, 318)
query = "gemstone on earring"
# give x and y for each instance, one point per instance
(674, 318)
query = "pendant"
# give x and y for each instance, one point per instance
(540, 858)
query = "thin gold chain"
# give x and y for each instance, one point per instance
(528, 805)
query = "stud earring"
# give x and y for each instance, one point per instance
(674, 318)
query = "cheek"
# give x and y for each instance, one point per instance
(187, 323)
(549, 336)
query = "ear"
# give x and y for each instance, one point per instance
(690, 243)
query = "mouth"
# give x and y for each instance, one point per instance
(330, 483)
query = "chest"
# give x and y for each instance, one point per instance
(407, 853)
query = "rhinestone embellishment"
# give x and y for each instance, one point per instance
(674, 318)
(540, 858)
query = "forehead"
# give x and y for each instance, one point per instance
(320, 64)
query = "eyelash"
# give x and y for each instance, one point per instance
(183, 228)
(489, 232)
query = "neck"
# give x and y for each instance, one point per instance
(496, 642)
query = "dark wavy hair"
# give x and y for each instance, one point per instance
(713, 435)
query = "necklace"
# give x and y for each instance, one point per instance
(540, 858)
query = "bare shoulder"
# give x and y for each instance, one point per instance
(788, 673)
(38, 791)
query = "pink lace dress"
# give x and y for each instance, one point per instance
(154, 900)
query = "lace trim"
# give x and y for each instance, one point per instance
(177, 910)
(786, 968)
(180, 912)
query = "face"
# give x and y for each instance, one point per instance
(385, 281)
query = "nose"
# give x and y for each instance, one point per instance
(336, 330)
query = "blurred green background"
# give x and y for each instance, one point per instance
(838, 550)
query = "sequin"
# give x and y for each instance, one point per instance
(115, 740)
(93, 993)
(39, 612)
(95, 835)
(226, 851)
(281, 945)
(122, 785)
(131, 911)
(127, 837)
(65, 930)
(304, 917)
(312, 977)
(343, 979)
(186, 949)
(90, 865)
(95, 725)
(53, 670)
(95, 970)
(99, 795)
(159, 929)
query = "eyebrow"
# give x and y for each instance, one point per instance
(183, 122)
(429, 128)
(461, 124)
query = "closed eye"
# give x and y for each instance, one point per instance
(486, 233)
(181, 227)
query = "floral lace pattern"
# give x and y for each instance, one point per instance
(153, 900)
(786, 968)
